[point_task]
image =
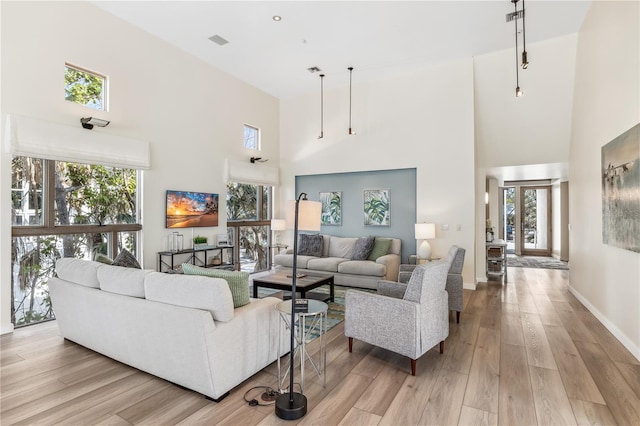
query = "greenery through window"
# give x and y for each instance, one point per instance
(59, 210)
(251, 137)
(248, 215)
(85, 88)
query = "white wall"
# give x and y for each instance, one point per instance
(421, 119)
(191, 113)
(532, 129)
(606, 104)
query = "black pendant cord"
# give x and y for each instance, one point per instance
(525, 61)
(321, 106)
(515, 20)
(350, 80)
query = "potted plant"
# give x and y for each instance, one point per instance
(199, 242)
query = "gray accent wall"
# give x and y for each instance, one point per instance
(401, 184)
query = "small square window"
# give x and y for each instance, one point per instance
(85, 88)
(251, 137)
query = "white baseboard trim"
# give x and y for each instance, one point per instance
(613, 329)
(6, 329)
(468, 286)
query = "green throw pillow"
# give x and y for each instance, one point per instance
(380, 248)
(238, 281)
(103, 258)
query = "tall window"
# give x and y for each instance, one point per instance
(85, 87)
(248, 216)
(59, 210)
(251, 137)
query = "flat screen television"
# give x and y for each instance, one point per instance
(191, 209)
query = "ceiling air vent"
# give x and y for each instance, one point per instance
(313, 69)
(218, 40)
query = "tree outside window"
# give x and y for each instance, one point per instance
(251, 137)
(84, 88)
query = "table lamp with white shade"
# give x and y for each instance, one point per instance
(276, 226)
(304, 215)
(424, 232)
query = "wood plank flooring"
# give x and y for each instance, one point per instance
(525, 352)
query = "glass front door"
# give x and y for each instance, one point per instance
(535, 221)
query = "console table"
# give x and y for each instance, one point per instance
(170, 260)
(497, 258)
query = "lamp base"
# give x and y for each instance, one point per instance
(287, 410)
(424, 251)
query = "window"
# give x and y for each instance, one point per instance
(85, 88)
(248, 214)
(64, 209)
(251, 137)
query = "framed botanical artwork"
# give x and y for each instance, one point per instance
(331, 208)
(377, 207)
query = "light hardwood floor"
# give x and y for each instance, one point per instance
(526, 352)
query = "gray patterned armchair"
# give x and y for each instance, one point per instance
(406, 322)
(455, 258)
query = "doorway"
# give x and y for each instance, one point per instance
(525, 217)
(535, 220)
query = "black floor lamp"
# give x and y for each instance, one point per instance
(305, 216)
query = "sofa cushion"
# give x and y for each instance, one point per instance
(121, 280)
(326, 243)
(363, 248)
(78, 271)
(238, 281)
(342, 247)
(362, 267)
(126, 259)
(191, 291)
(380, 248)
(327, 264)
(286, 260)
(310, 245)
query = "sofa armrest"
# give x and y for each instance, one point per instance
(392, 289)
(392, 263)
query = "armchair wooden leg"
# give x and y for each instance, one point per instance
(413, 367)
(442, 347)
(457, 317)
(350, 344)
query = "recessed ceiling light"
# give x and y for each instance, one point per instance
(277, 18)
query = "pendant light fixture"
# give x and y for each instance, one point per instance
(321, 106)
(519, 91)
(351, 132)
(525, 62)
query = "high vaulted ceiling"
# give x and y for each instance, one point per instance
(377, 38)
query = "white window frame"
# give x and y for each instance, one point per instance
(258, 137)
(105, 86)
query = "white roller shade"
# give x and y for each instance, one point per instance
(254, 173)
(41, 139)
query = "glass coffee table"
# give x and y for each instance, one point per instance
(306, 325)
(282, 281)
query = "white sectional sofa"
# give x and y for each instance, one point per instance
(336, 259)
(178, 327)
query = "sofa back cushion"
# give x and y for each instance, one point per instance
(78, 271)
(238, 281)
(342, 247)
(191, 291)
(122, 280)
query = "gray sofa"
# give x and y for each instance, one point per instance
(336, 259)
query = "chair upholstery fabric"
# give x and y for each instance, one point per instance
(455, 259)
(409, 325)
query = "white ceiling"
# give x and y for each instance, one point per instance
(375, 37)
